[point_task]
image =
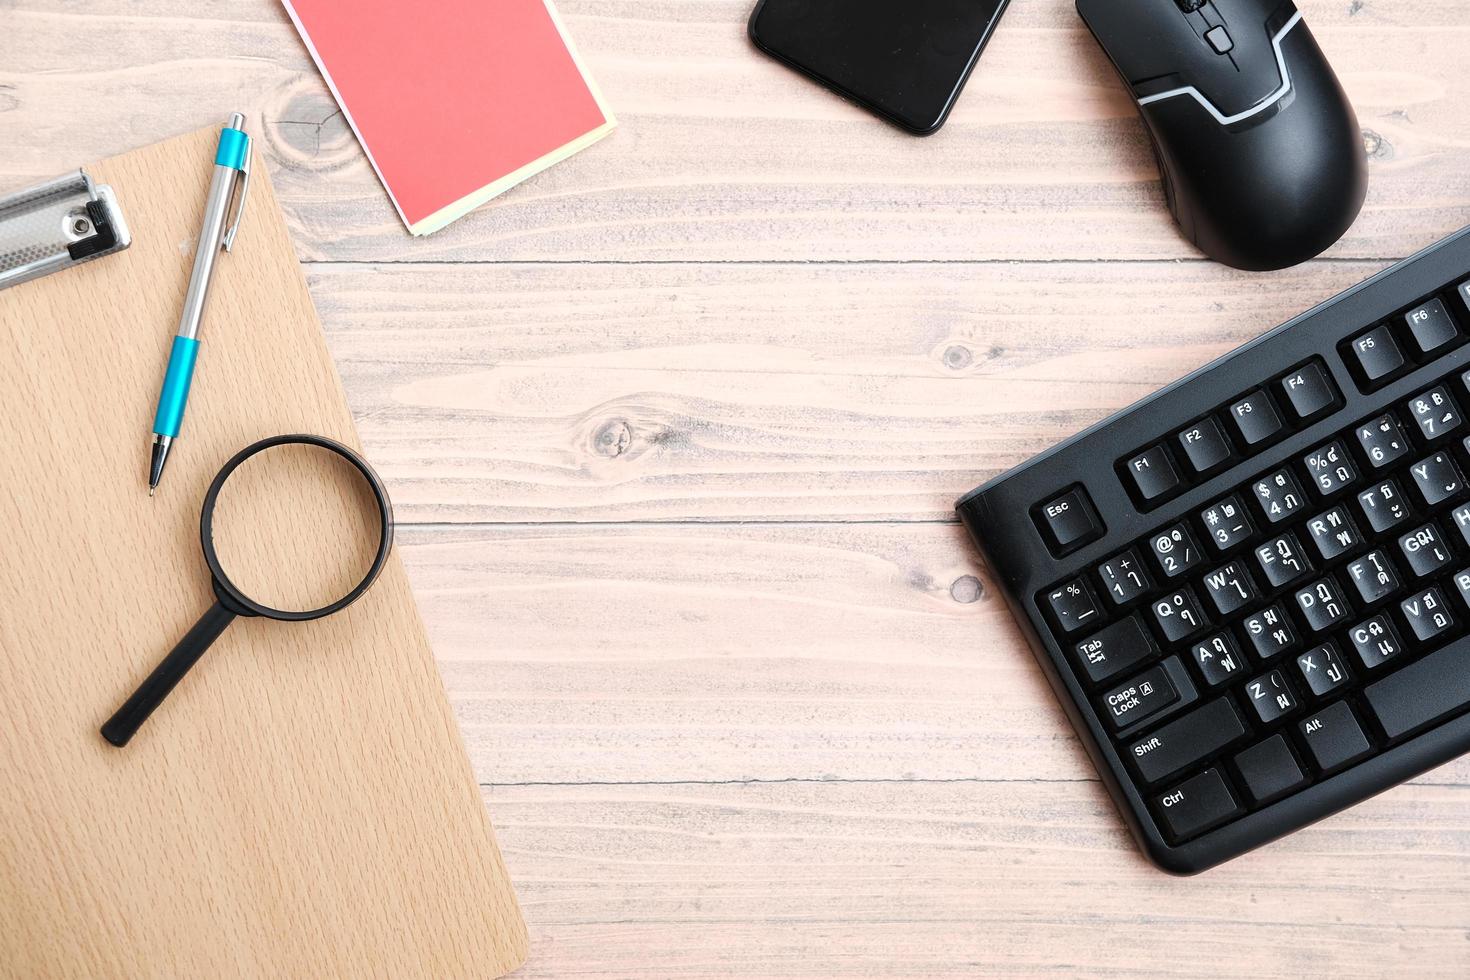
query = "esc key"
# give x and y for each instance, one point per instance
(1068, 521)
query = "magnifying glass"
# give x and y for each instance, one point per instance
(294, 528)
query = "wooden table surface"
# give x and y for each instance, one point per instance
(674, 431)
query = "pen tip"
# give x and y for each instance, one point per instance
(150, 491)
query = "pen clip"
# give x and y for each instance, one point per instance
(229, 238)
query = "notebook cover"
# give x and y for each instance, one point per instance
(454, 102)
(302, 805)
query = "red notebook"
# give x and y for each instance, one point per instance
(455, 101)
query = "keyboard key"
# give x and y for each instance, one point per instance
(1436, 413)
(1383, 440)
(1330, 468)
(1322, 605)
(1227, 523)
(1124, 578)
(1179, 615)
(1269, 632)
(1141, 698)
(1376, 642)
(1176, 551)
(1218, 659)
(1373, 577)
(1333, 533)
(1334, 738)
(1279, 495)
(1114, 649)
(1255, 418)
(1461, 516)
(1422, 693)
(1323, 670)
(1377, 353)
(1438, 478)
(1186, 740)
(1205, 446)
(1073, 606)
(1198, 804)
(1230, 588)
(1270, 696)
(1425, 549)
(1309, 391)
(1069, 521)
(1428, 614)
(1462, 586)
(1464, 292)
(1431, 326)
(1269, 770)
(1282, 560)
(1154, 476)
(1384, 506)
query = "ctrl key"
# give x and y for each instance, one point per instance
(1197, 805)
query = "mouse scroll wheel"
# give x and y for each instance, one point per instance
(1190, 6)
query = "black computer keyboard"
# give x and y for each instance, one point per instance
(1251, 590)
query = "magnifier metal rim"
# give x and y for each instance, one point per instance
(231, 593)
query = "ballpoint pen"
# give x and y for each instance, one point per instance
(231, 168)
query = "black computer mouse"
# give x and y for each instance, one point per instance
(1260, 151)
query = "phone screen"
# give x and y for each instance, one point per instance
(903, 59)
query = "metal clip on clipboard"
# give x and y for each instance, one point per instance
(56, 225)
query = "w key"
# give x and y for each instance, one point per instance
(1230, 588)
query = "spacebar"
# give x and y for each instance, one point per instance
(1424, 692)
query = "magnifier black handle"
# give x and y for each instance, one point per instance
(166, 676)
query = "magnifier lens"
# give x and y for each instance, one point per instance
(296, 527)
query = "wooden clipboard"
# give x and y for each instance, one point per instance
(302, 805)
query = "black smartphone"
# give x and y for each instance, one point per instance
(905, 60)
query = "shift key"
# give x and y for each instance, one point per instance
(1183, 742)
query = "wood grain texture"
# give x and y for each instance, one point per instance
(731, 653)
(968, 879)
(734, 391)
(302, 805)
(828, 756)
(677, 426)
(715, 156)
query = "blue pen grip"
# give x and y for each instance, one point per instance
(175, 393)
